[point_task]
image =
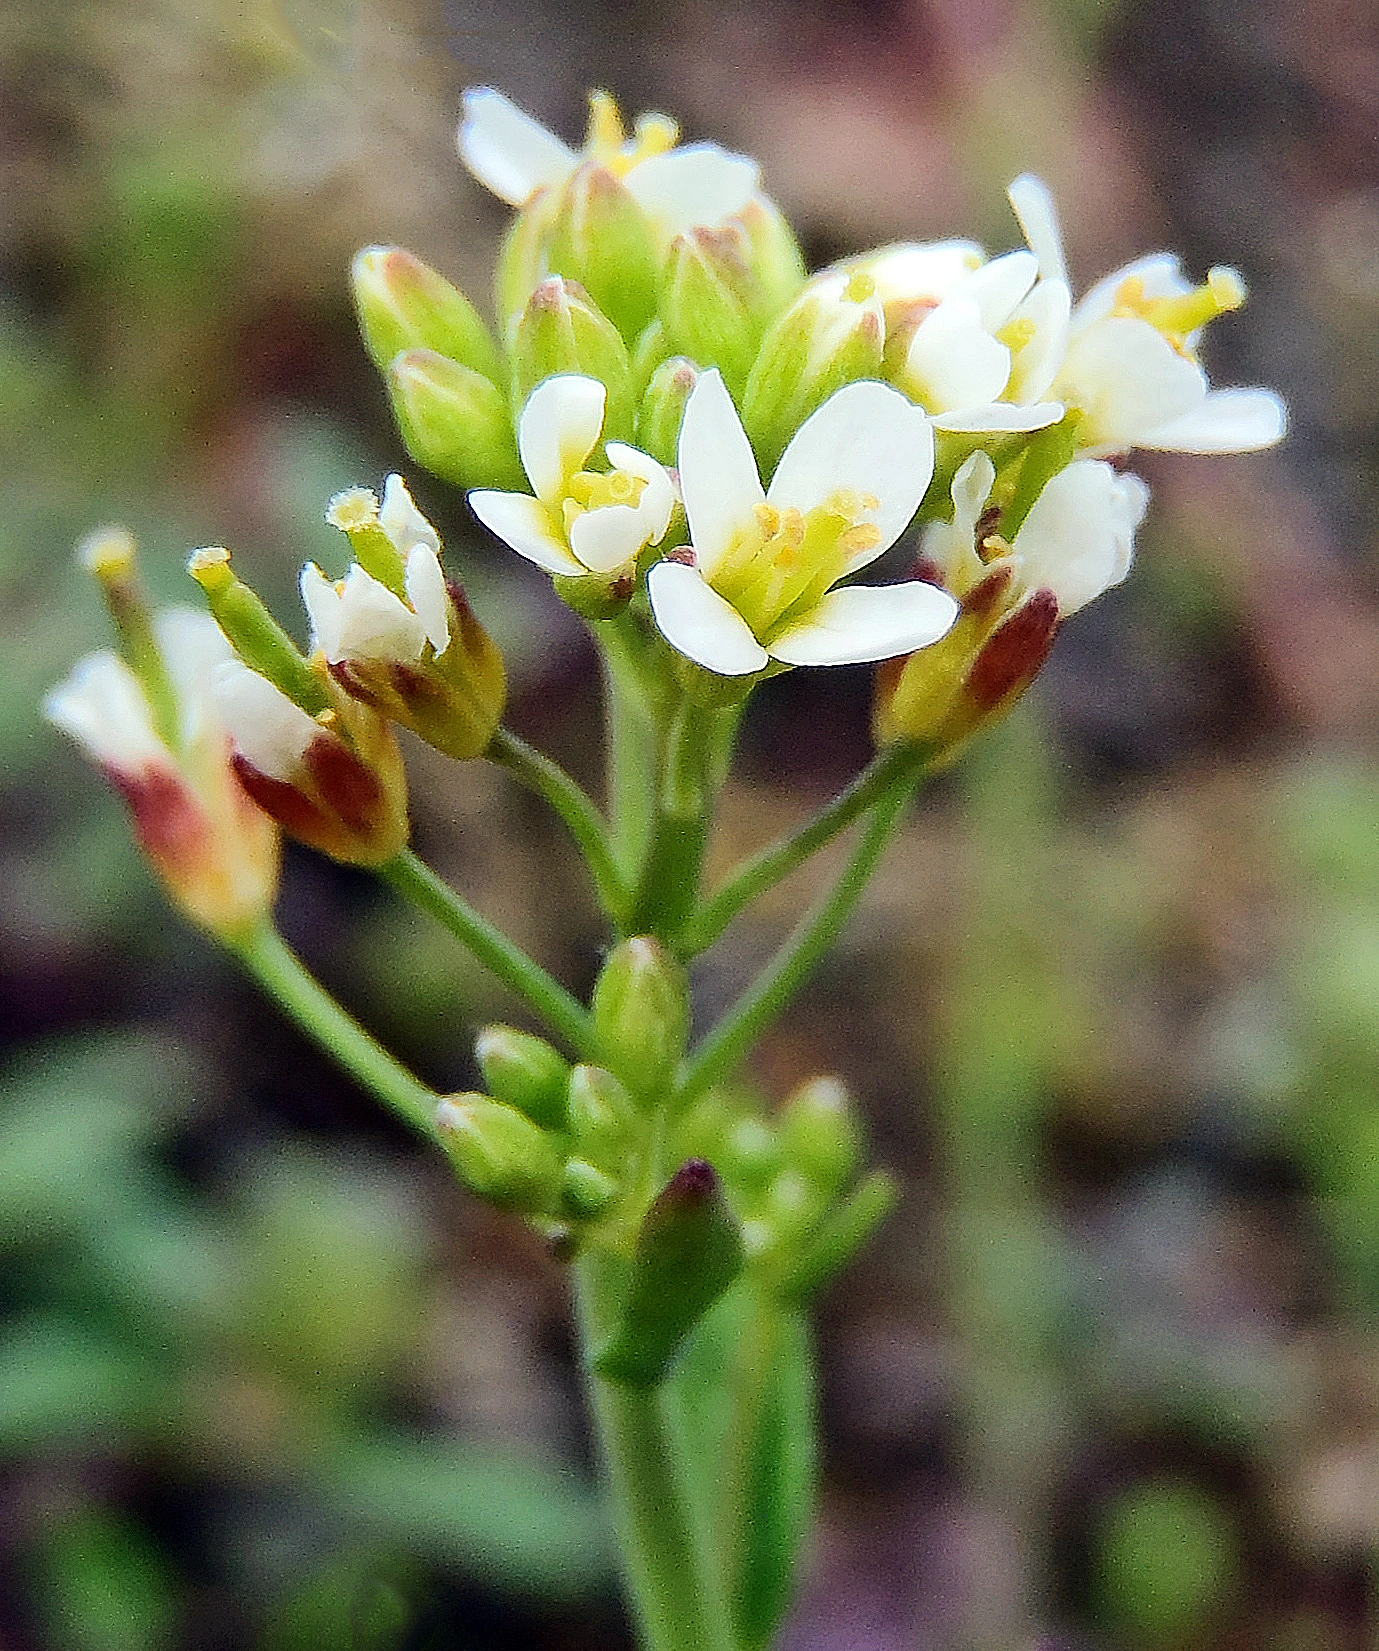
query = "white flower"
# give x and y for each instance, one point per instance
(358, 617)
(696, 186)
(269, 731)
(1077, 540)
(578, 522)
(1130, 366)
(765, 563)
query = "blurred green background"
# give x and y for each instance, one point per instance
(1111, 1377)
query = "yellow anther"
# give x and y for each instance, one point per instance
(590, 491)
(606, 134)
(767, 519)
(860, 288)
(992, 547)
(356, 507)
(656, 134)
(853, 541)
(1177, 318)
(108, 552)
(1016, 334)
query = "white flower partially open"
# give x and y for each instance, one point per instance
(1077, 540)
(577, 522)
(698, 185)
(358, 617)
(765, 562)
(1131, 367)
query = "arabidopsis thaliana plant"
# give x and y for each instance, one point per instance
(765, 562)
(579, 521)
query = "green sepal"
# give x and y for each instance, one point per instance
(641, 1014)
(404, 304)
(706, 303)
(1046, 453)
(587, 1191)
(593, 596)
(662, 410)
(525, 1072)
(500, 1153)
(563, 331)
(689, 1250)
(820, 1135)
(600, 237)
(600, 1113)
(454, 421)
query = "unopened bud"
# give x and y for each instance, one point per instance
(525, 1072)
(708, 304)
(820, 1134)
(586, 1192)
(593, 596)
(500, 1153)
(600, 237)
(404, 304)
(834, 333)
(662, 411)
(689, 1250)
(599, 1112)
(641, 1014)
(563, 331)
(752, 1150)
(454, 421)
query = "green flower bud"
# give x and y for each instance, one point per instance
(708, 305)
(594, 597)
(650, 350)
(562, 331)
(454, 421)
(662, 411)
(641, 1014)
(522, 260)
(841, 1235)
(753, 1151)
(774, 255)
(833, 334)
(404, 304)
(599, 1113)
(820, 1135)
(689, 1251)
(600, 238)
(500, 1153)
(587, 1192)
(525, 1072)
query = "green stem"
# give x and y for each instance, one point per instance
(634, 730)
(412, 877)
(668, 1557)
(773, 988)
(766, 868)
(283, 975)
(586, 825)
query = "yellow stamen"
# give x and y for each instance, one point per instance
(860, 288)
(589, 491)
(853, 541)
(1177, 318)
(993, 547)
(607, 141)
(656, 134)
(1016, 334)
(606, 134)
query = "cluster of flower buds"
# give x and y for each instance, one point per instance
(660, 350)
(259, 734)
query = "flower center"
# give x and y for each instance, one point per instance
(607, 142)
(1179, 317)
(589, 491)
(780, 567)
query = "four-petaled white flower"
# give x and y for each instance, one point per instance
(1130, 362)
(696, 186)
(358, 617)
(580, 521)
(1077, 540)
(760, 586)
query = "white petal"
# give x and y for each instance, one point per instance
(953, 360)
(525, 524)
(323, 604)
(864, 622)
(1035, 365)
(427, 593)
(1160, 272)
(508, 151)
(658, 496)
(403, 522)
(694, 618)
(971, 489)
(1128, 380)
(1228, 421)
(1033, 203)
(1078, 538)
(102, 706)
(867, 438)
(996, 288)
(192, 645)
(269, 730)
(718, 472)
(608, 539)
(952, 546)
(914, 270)
(373, 622)
(697, 185)
(558, 430)
(1000, 417)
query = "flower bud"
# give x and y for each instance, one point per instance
(600, 237)
(709, 308)
(586, 1192)
(525, 1072)
(834, 333)
(689, 1250)
(600, 1114)
(820, 1135)
(453, 420)
(404, 304)
(562, 331)
(500, 1153)
(752, 1150)
(641, 1014)
(662, 411)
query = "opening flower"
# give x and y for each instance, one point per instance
(578, 522)
(760, 586)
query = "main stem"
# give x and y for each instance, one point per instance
(283, 975)
(672, 1573)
